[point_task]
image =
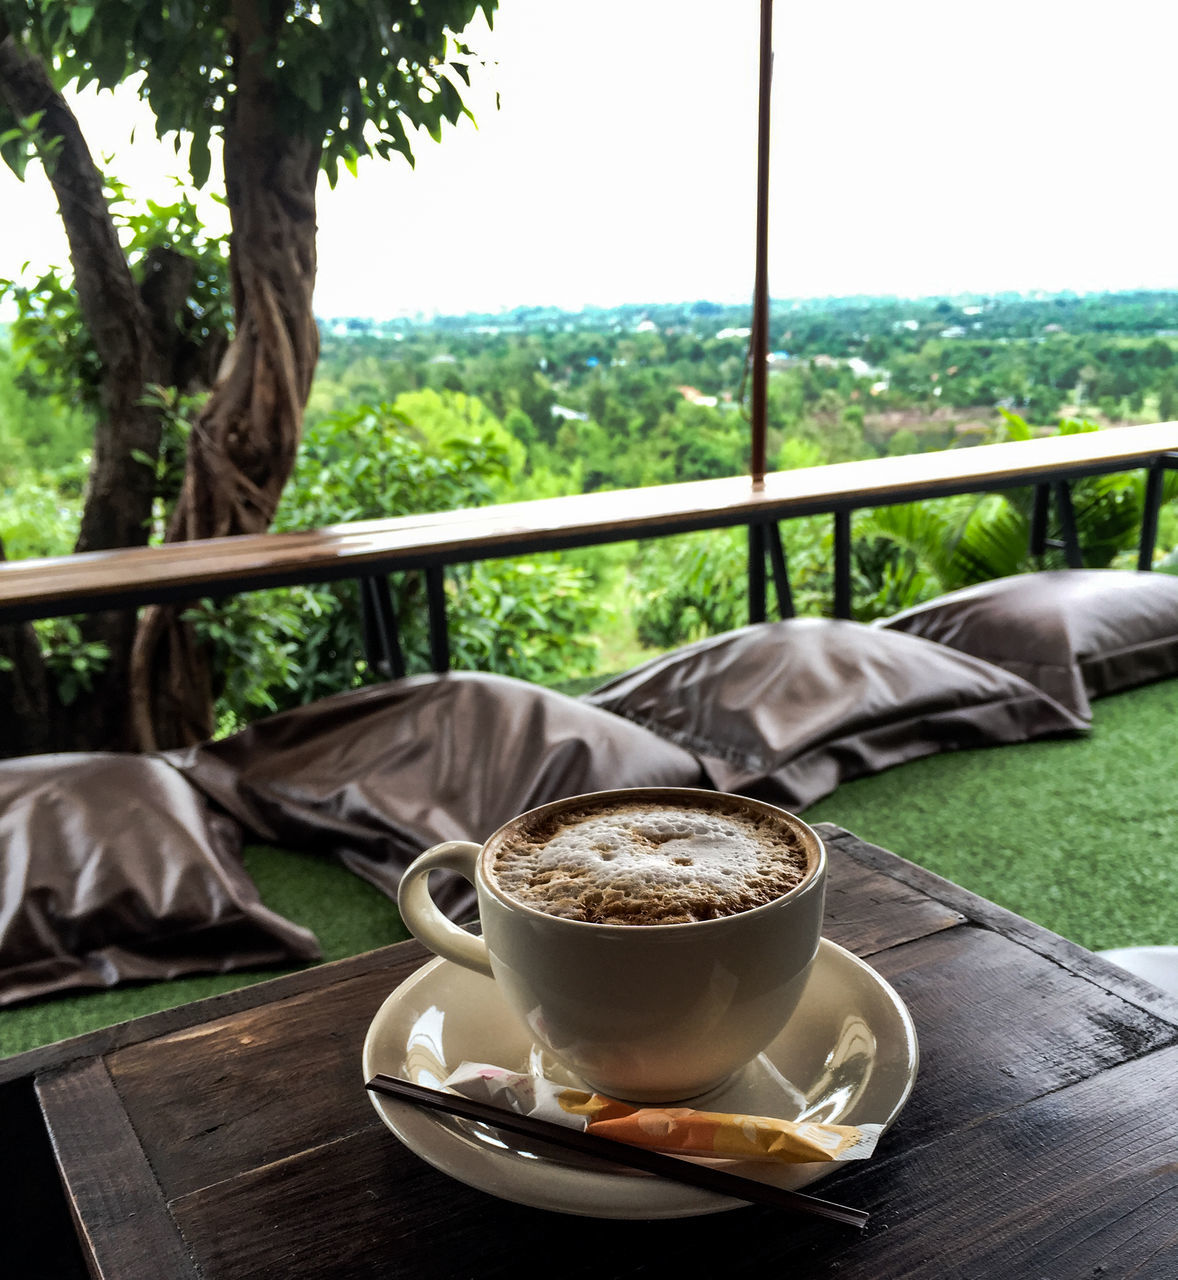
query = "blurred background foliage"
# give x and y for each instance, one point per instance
(409, 417)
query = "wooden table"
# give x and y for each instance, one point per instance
(232, 1138)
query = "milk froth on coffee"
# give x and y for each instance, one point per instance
(649, 864)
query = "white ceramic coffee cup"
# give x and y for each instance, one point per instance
(651, 1013)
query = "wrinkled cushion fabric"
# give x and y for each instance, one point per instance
(1076, 633)
(785, 711)
(377, 775)
(115, 870)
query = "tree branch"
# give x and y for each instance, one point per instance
(120, 494)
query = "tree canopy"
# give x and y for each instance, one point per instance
(288, 89)
(350, 74)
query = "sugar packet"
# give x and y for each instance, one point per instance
(682, 1131)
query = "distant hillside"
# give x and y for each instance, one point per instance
(999, 314)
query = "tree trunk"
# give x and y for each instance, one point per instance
(242, 447)
(25, 726)
(140, 340)
(157, 691)
(121, 487)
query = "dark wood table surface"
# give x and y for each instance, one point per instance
(232, 1138)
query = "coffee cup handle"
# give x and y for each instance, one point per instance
(421, 915)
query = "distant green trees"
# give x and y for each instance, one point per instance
(635, 396)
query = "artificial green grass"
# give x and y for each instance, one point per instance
(1078, 834)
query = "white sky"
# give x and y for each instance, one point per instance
(919, 147)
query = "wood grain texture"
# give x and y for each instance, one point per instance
(103, 579)
(252, 1088)
(999, 1026)
(1025, 1056)
(123, 1223)
(399, 1217)
(1082, 1182)
(396, 963)
(868, 911)
(990, 915)
(228, 1095)
(1041, 1139)
(359, 1206)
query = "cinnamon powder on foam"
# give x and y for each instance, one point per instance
(647, 864)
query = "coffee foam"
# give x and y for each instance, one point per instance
(647, 864)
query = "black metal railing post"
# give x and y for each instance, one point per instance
(842, 564)
(1040, 511)
(757, 611)
(1069, 535)
(382, 633)
(439, 630)
(780, 569)
(1155, 480)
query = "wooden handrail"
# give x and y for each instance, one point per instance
(52, 587)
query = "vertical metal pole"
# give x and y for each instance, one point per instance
(842, 564)
(373, 650)
(382, 632)
(756, 572)
(1072, 551)
(439, 633)
(1154, 479)
(760, 326)
(780, 566)
(1039, 515)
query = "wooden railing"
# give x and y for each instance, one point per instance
(370, 550)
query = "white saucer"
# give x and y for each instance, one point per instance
(848, 1056)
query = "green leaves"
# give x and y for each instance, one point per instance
(960, 541)
(352, 74)
(22, 143)
(200, 160)
(536, 620)
(74, 663)
(691, 587)
(49, 336)
(1016, 427)
(81, 15)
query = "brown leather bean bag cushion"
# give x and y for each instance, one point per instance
(376, 775)
(785, 711)
(1076, 633)
(115, 870)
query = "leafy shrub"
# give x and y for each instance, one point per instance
(73, 662)
(697, 585)
(955, 542)
(56, 358)
(690, 587)
(535, 620)
(39, 514)
(38, 432)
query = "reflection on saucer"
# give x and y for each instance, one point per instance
(424, 1060)
(847, 1072)
(847, 1056)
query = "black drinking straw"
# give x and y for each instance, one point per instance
(708, 1177)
